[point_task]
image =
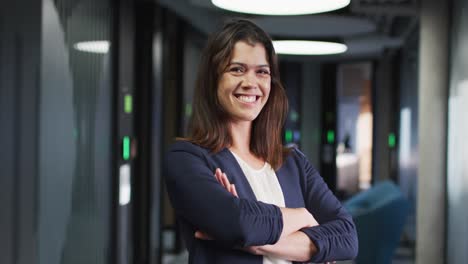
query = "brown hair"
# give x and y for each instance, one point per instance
(209, 122)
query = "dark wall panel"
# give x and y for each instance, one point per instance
(19, 78)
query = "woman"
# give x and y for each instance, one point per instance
(239, 195)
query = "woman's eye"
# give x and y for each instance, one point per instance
(237, 70)
(264, 72)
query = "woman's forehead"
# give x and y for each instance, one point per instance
(244, 52)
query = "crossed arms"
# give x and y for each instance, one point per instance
(209, 203)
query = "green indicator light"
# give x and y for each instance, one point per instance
(128, 104)
(391, 140)
(288, 136)
(294, 116)
(126, 148)
(188, 110)
(330, 136)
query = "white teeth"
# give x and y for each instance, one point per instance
(247, 99)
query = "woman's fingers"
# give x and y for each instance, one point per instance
(255, 250)
(222, 178)
(230, 187)
(226, 182)
(218, 176)
(202, 235)
(314, 221)
(233, 190)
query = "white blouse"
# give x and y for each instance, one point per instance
(267, 189)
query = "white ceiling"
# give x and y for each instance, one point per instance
(365, 26)
(316, 26)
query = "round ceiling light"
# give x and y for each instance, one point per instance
(97, 46)
(281, 7)
(308, 47)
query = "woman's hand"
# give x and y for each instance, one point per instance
(203, 236)
(222, 178)
(224, 181)
(255, 250)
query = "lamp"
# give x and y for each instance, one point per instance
(281, 7)
(308, 47)
(95, 46)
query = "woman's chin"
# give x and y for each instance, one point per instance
(245, 118)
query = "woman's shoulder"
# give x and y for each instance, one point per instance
(297, 157)
(183, 152)
(296, 154)
(184, 145)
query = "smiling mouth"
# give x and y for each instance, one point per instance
(247, 98)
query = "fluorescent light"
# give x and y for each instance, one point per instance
(125, 189)
(307, 47)
(405, 137)
(96, 46)
(280, 7)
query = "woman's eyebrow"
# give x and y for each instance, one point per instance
(245, 65)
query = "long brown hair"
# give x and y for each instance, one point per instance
(209, 122)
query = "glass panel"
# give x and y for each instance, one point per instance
(354, 128)
(75, 132)
(408, 131)
(457, 160)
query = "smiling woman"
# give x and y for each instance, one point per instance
(244, 86)
(239, 58)
(240, 196)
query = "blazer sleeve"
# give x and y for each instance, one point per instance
(335, 237)
(200, 200)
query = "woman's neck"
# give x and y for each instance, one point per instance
(240, 135)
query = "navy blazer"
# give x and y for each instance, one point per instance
(201, 203)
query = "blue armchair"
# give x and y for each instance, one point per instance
(379, 214)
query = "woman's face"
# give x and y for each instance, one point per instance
(245, 83)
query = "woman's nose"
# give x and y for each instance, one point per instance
(250, 80)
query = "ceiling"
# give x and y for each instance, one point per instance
(368, 27)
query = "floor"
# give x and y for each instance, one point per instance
(402, 256)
